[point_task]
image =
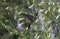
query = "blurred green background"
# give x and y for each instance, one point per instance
(46, 13)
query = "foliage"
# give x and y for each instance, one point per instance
(46, 13)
